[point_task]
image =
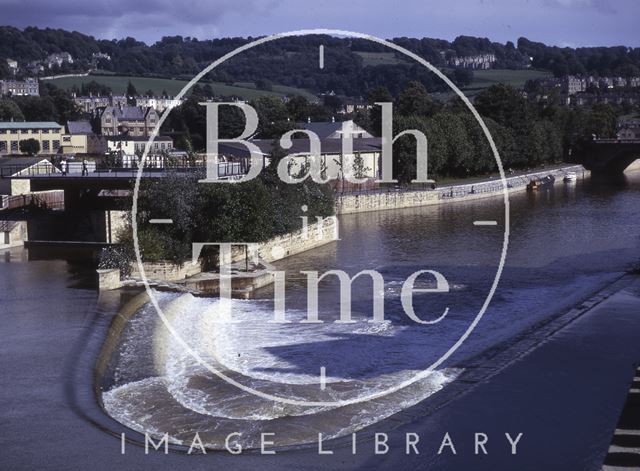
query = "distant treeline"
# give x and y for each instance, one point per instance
(294, 61)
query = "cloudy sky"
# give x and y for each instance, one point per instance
(560, 22)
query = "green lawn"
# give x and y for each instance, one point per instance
(118, 85)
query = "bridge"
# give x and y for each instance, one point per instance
(77, 187)
(610, 156)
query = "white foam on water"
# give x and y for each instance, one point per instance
(276, 358)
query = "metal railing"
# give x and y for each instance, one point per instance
(48, 200)
(225, 169)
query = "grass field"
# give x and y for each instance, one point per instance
(481, 79)
(515, 78)
(378, 58)
(118, 85)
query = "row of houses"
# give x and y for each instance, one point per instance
(573, 84)
(480, 61)
(92, 104)
(628, 129)
(26, 87)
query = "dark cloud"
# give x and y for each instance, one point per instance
(563, 22)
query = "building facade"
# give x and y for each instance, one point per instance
(90, 104)
(50, 135)
(82, 139)
(27, 87)
(132, 145)
(131, 120)
(481, 61)
(157, 103)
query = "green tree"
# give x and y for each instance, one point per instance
(131, 93)
(414, 100)
(29, 146)
(272, 117)
(298, 108)
(504, 105)
(377, 95)
(9, 111)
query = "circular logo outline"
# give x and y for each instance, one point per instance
(418, 376)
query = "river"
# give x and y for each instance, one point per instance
(566, 242)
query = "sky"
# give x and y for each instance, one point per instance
(560, 22)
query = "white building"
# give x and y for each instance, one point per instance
(130, 145)
(158, 103)
(58, 59)
(13, 65)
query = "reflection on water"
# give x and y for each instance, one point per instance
(565, 243)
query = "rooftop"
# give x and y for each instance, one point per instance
(79, 127)
(29, 125)
(125, 137)
(301, 146)
(131, 113)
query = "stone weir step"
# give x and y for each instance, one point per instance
(243, 283)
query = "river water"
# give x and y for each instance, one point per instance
(565, 243)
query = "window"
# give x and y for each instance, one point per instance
(3, 146)
(66, 138)
(14, 146)
(45, 146)
(55, 144)
(14, 131)
(3, 131)
(45, 131)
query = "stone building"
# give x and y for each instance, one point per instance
(90, 104)
(82, 139)
(27, 87)
(131, 120)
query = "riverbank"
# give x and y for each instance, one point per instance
(398, 198)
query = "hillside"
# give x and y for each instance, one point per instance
(118, 85)
(351, 66)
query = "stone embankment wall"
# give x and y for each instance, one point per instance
(12, 233)
(316, 234)
(397, 198)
